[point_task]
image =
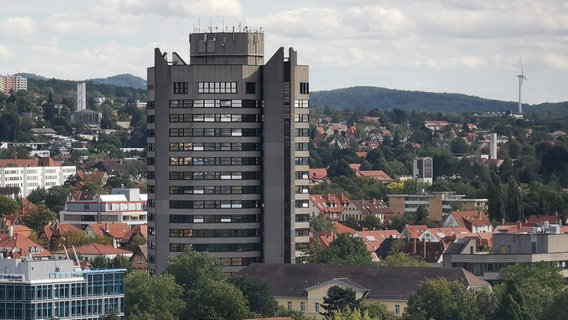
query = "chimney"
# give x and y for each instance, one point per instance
(106, 226)
(374, 200)
(519, 225)
(478, 214)
(11, 231)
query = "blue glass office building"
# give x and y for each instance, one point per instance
(54, 289)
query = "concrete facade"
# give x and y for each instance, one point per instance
(228, 152)
(508, 249)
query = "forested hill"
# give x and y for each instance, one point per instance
(386, 99)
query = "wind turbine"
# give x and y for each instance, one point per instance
(521, 77)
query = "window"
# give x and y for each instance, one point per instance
(289, 305)
(302, 146)
(302, 306)
(217, 87)
(302, 104)
(250, 88)
(304, 87)
(301, 118)
(150, 119)
(317, 307)
(180, 88)
(397, 309)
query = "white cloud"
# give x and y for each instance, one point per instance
(18, 26)
(556, 61)
(4, 52)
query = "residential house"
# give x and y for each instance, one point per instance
(137, 230)
(51, 236)
(139, 259)
(379, 175)
(361, 209)
(302, 287)
(330, 204)
(113, 231)
(92, 250)
(17, 245)
(430, 252)
(442, 234)
(413, 231)
(474, 221)
(374, 238)
(318, 175)
(435, 125)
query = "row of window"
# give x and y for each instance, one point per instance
(210, 103)
(214, 190)
(214, 118)
(217, 87)
(211, 175)
(302, 103)
(214, 204)
(249, 218)
(212, 161)
(216, 247)
(210, 132)
(214, 233)
(235, 146)
(302, 161)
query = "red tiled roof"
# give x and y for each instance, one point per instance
(374, 238)
(330, 202)
(341, 228)
(537, 220)
(473, 218)
(97, 249)
(138, 229)
(19, 162)
(59, 229)
(376, 174)
(19, 245)
(318, 173)
(355, 166)
(454, 233)
(415, 230)
(115, 230)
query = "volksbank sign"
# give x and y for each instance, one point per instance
(11, 277)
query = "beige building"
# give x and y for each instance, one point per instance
(302, 287)
(543, 244)
(438, 204)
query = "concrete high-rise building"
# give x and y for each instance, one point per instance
(228, 152)
(81, 96)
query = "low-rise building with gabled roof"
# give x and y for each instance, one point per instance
(302, 287)
(474, 221)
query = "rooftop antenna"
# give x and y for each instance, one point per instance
(521, 77)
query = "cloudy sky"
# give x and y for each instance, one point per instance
(458, 46)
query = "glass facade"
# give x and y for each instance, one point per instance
(86, 294)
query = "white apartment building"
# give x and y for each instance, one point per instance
(126, 205)
(30, 174)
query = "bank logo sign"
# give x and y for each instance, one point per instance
(4, 277)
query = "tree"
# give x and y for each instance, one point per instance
(402, 259)
(137, 240)
(339, 299)
(100, 262)
(514, 207)
(294, 314)
(441, 299)
(156, 296)
(537, 284)
(56, 197)
(495, 205)
(421, 215)
(37, 196)
(120, 262)
(39, 217)
(343, 250)
(321, 223)
(378, 311)
(558, 309)
(8, 205)
(206, 291)
(350, 314)
(258, 296)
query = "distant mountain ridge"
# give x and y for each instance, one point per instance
(121, 80)
(368, 97)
